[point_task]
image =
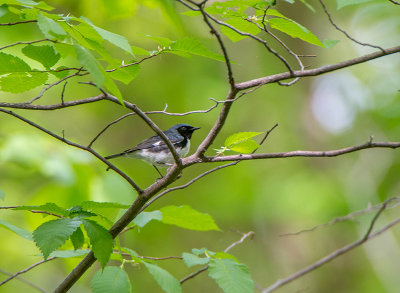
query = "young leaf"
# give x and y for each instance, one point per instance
(240, 24)
(144, 217)
(47, 207)
(43, 54)
(245, 147)
(164, 279)
(231, 276)
(19, 231)
(77, 238)
(192, 260)
(239, 137)
(193, 46)
(186, 217)
(50, 28)
(113, 38)
(69, 253)
(51, 235)
(100, 239)
(19, 82)
(10, 63)
(111, 280)
(294, 30)
(125, 74)
(90, 63)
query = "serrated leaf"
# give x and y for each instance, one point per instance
(197, 251)
(92, 205)
(2, 195)
(46, 54)
(19, 82)
(77, 238)
(51, 29)
(231, 276)
(100, 239)
(239, 137)
(10, 63)
(90, 63)
(111, 280)
(47, 207)
(51, 235)
(164, 279)
(113, 38)
(193, 46)
(188, 218)
(19, 231)
(294, 29)
(240, 24)
(69, 253)
(144, 217)
(344, 3)
(192, 260)
(125, 74)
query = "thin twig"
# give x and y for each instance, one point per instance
(18, 22)
(26, 270)
(343, 31)
(335, 254)
(23, 280)
(350, 216)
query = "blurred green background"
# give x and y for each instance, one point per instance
(269, 197)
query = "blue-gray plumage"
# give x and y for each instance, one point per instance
(154, 150)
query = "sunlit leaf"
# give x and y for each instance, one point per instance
(192, 260)
(51, 235)
(19, 82)
(47, 207)
(10, 63)
(50, 28)
(193, 46)
(90, 63)
(239, 137)
(164, 279)
(111, 280)
(188, 218)
(231, 276)
(240, 24)
(125, 74)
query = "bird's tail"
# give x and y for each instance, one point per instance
(114, 156)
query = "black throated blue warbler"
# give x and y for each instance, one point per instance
(154, 150)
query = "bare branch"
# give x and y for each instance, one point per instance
(344, 32)
(26, 270)
(192, 275)
(394, 2)
(336, 253)
(24, 281)
(18, 22)
(350, 216)
(316, 71)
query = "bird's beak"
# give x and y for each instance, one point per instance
(195, 128)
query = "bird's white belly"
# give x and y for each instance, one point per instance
(163, 159)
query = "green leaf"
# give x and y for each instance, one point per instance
(65, 50)
(344, 3)
(330, 43)
(90, 63)
(240, 24)
(50, 28)
(164, 279)
(77, 238)
(19, 231)
(125, 74)
(111, 280)
(43, 54)
(60, 74)
(31, 3)
(100, 239)
(19, 82)
(51, 235)
(113, 88)
(245, 147)
(94, 205)
(164, 42)
(294, 30)
(144, 217)
(47, 207)
(239, 137)
(69, 253)
(193, 46)
(10, 63)
(192, 260)
(2, 196)
(186, 217)
(231, 276)
(113, 38)
(139, 51)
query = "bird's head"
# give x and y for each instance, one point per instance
(184, 129)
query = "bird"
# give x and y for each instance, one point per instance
(154, 150)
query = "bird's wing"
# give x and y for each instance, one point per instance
(154, 143)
